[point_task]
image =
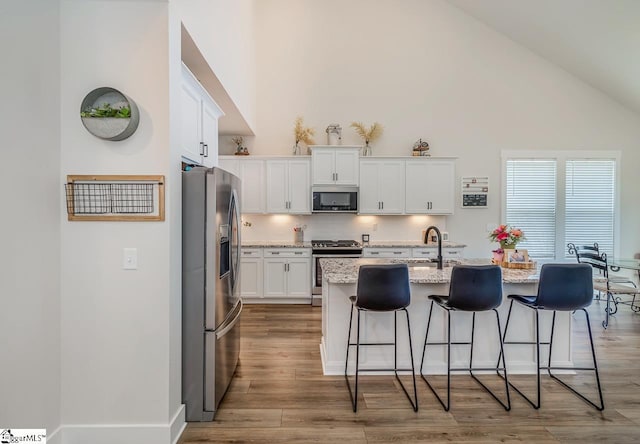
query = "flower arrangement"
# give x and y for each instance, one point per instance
(368, 135)
(302, 133)
(507, 236)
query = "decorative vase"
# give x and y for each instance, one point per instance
(297, 150)
(498, 257)
(366, 151)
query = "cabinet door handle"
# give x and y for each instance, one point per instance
(336, 177)
(206, 149)
(382, 203)
(202, 148)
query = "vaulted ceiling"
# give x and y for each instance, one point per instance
(597, 41)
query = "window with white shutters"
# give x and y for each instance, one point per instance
(556, 198)
(590, 202)
(531, 204)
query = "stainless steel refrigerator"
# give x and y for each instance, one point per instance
(211, 304)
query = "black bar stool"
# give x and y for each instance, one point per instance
(562, 287)
(472, 289)
(381, 288)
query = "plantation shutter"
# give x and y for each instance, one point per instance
(531, 204)
(590, 199)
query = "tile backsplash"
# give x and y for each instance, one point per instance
(279, 227)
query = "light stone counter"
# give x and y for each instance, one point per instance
(345, 271)
(409, 244)
(339, 282)
(275, 244)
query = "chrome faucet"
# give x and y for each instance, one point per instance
(426, 238)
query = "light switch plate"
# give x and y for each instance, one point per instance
(130, 259)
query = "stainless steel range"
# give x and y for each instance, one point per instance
(329, 248)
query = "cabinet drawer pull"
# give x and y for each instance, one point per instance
(397, 252)
(375, 252)
(297, 252)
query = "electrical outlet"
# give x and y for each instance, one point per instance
(130, 259)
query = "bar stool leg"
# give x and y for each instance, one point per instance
(353, 394)
(507, 405)
(448, 344)
(594, 368)
(414, 401)
(535, 405)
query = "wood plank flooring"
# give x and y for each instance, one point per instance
(279, 394)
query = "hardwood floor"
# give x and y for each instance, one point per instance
(280, 395)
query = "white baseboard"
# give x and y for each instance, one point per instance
(55, 437)
(124, 433)
(178, 424)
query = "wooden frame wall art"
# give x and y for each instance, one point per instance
(116, 198)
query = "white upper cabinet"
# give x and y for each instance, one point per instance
(381, 187)
(253, 180)
(335, 165)
(190, 122)
(430, 186)
(288, 186)
(199, 116)
(252, 174)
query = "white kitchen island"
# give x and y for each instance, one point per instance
(340, 278)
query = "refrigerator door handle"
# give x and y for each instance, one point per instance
(230, 322)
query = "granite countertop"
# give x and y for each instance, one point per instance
(410, 244)
(275, 244)
(372, 244)
(345, 271)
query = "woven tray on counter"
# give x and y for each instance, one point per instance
(517, 265)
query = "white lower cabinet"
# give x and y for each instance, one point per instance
(432, 253)
(283, 275)
(414, 253)
(251, 280)
(387, 252)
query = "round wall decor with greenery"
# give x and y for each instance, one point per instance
(108, 114)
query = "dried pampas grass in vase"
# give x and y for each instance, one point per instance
(302, 134)
(369, 135)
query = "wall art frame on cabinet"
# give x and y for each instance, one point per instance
(109, 114)
(115, 198)
(475, 192)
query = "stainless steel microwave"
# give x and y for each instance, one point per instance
(332, 199)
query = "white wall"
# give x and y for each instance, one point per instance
(30, 223)
(425, 69)
(117, 345)
(223, 30)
